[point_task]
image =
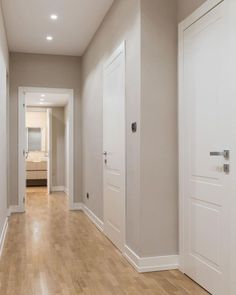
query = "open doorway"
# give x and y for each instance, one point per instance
(45, 142)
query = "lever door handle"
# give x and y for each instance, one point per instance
(225, 154)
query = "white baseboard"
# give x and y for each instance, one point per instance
(149, 264)
(98, 223)
(3, 235)
(76, 206)
(59, 188)
(15, 209)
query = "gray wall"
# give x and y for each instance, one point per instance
(121, 23)
(35, 70)
(186, 7)
(58, 147)
(159, 142)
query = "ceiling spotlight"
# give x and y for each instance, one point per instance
(49, 38)
(42, 95)
(53, 16)
(42, 99)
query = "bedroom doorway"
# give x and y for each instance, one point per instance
(45, 143)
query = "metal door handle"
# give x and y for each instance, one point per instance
(104, 154)
(225, 154)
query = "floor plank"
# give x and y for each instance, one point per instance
(50, 250)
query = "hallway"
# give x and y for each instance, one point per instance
(50, 250)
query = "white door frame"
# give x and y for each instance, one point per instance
(49, 150)
(22, 144)
(201, 11)
(120, 49)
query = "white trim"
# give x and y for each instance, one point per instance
(195, 16)
(76, 206)
(59, 188)
(15, 209)
(21, 147)
(21, 141)
(149, 264)
(98, 223)
(49, 149)
(3, 235)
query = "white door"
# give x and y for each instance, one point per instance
(209, 110)
(49, 150)
(114, 147)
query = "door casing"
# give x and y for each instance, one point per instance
(22, 143)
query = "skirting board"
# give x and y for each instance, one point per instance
(76, 206)
(14, 209)
(59, 188)
(149, 264)
(3, 235)
(98, 223)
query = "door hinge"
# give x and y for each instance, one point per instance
(24, 200)
(23, 105)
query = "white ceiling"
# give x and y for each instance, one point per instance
(28, 23)
(33, 99)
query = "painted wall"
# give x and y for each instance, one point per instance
(186, 7)
(4, 123)
(150, 31)
(121, 23)
(58, 146)
(159, 141)
(35, 70)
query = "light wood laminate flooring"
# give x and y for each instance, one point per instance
(50, 250)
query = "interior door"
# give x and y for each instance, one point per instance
(49, 150)
(208, 151)
(114, 147)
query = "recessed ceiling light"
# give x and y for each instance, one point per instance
(41, 102)
(42, 99)
(53, 16)
(42, 95)
(49, 38)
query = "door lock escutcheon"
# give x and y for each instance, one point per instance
(226, 168)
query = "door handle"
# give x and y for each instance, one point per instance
(225, 154)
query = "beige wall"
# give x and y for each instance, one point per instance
(150, 31)
(4, 123)
(58, 147)
(35, 70)
(159, 147)
(121, 23)
(186, 7)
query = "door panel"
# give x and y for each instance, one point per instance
(206, 186)
(114, 147)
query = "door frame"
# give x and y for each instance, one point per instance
(116, 52)
(200, 12)
(49, 149)
(22, 145)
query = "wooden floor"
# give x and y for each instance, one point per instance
(50, 251)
